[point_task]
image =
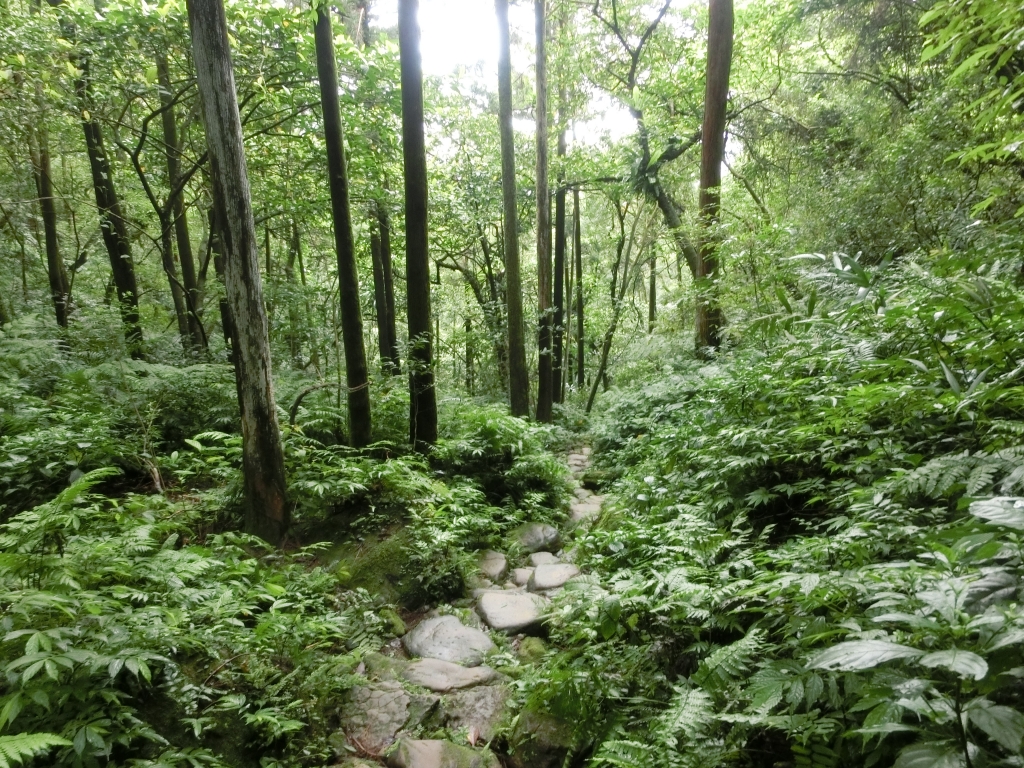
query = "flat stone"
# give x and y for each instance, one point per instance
(443, 676)
(551, 576)
(582, 493)
(541, 741)
(447, 639)
(537, 537)
(433, 753)
(580, 512)
(374, 714)
(585, 450)
(482, 709)
(493, 565)
(577, 458)
(521, 576)
(542, 558)
(511, 612)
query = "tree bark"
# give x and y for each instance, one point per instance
(267, 513)
(422, 398)
(519, 379)
(389, 285)
(652, 295)
(577, 246)
(356, 375)
(557, 379)
(716, 94)
(545, 393)
(113, 227)
(381, 304)
(44, 189)
(294, 338)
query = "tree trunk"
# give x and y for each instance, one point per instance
(716, 94)
(294, 339)
(267, 512)
(545, 394)
(557, 378)
(389, 285)
(381, 304)
(652, 294)
(519, 378)
(112, 224)
(356, 375)
(577, 246)
(422, 399)
(470, 355)
(44, 189)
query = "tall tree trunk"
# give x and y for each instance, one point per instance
(356, 375)
(112, 224)
(59, 287)
(545, 394)
(577, 247)
(518, 376)
(294, 339)
(557, 378)
(381, 303)
(422, 398)
(652, 294)
(389, 284)
(267, 513)
(716, 94)
(470, 356)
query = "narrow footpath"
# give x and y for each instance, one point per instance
(436, 676)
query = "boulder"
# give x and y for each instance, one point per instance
(531, 649)
(521, 576)
(542, 558)
(482, 709)
(582, 493)
(414, 753)
(581, 512)
(511, 612)
(537, 537)
(443, 676)
(493, 565)
(541, 741)
(374, 714)
(547, 577)
(447, 639)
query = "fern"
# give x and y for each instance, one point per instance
(16, 749)
(728, 663)
(688, 714)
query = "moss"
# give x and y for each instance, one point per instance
(532, 649)
(380, 564)
(394, 622)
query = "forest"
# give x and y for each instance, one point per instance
(552, 384)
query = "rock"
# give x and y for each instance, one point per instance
(542, 558)
(443, 676)
(582, 493)
(581, 512)
(542, 741)
(531, 649)
(551, 576)
(522, 575)
(511, 612)
(578, 458)
(536, 537)
(414, 753)
(374, 714)
(478, 581)
(481, 708)
(585, 450)
(447, 639)
(394, 621)
(493, 565)
(381, 667)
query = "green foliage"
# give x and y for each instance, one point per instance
(15, 750)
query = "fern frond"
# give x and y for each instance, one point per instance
(14, 750)
(728, 663)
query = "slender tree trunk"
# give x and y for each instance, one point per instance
(716, 94)
(113, 226)
(267, 513)
(470, 356)
(294, 340)
(519, 378)
(577, 246)
(356, 375)
(545, 393)
(389, 285)
(422, 398)
(381, 304)
(652, 294)
(557, 378)
(59, 287)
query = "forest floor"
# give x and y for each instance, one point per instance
(436, 675)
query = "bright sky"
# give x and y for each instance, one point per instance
(465, 32)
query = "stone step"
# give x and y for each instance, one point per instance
(434, 753)
(447, 639)
(551, 576)
(493, 565)
(511, 612)
(537, 537)
(542, 558)
(443, 676)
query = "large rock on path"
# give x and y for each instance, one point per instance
(537, 537)
(374, 714)
(439, 754)
(443, 676)
(511, 612)
(551, 576)
(447, 639)
(542, 558)
(480, 708)
(493, 565)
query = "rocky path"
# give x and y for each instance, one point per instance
(436, 677)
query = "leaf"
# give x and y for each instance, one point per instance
(964, 663)
(930, 755)
(1001, 724)
(861, 654)
(1001, 510)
